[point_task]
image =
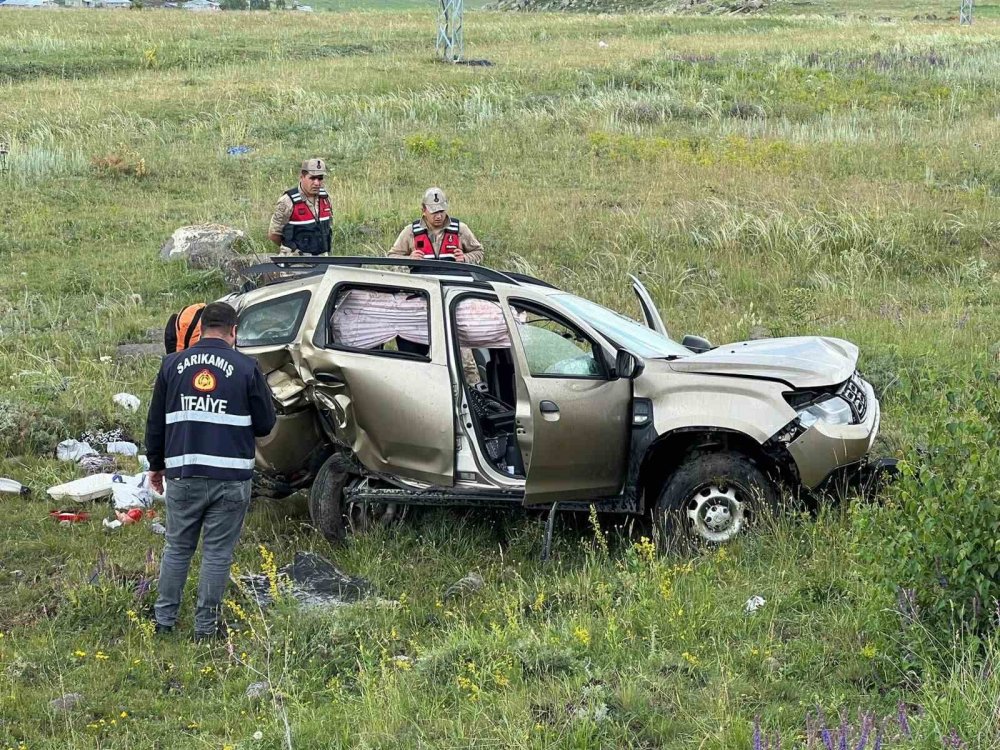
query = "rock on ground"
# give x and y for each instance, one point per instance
(66, 702)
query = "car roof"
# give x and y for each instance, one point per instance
(310, 271)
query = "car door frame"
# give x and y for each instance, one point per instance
(547, 482)
(394, 410)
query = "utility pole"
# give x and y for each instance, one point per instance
(450, 44)
(965, 13)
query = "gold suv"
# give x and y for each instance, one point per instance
(402, 382)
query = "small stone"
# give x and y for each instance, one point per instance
(66, 702)
(258, 690)
(469, 584)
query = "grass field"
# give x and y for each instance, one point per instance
(819, 169)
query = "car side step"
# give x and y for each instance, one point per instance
(364, 493)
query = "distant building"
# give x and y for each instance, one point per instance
(27, 4)
(201, 5)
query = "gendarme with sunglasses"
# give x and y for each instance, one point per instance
(302, 220)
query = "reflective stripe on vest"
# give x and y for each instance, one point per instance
(235, 420)
(203, 459)
(451, 241)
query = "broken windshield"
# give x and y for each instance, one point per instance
(622, 331)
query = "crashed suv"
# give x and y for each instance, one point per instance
(401, 382)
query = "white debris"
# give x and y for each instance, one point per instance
(12, 486)
(111, 525)
(104, 359)
(602, 44)
(127, 401)
(754, 603)
(258, 735)
(73, 450)
(131, 491)
(123, 448)
(83, 489)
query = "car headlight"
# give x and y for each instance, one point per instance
(833, 410)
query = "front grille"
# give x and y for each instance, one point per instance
(854, 394)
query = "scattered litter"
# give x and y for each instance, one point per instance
(143, 462)
(127, 401)
(258, 690)
(124, 448)
(68, 516)
(12, 487)
(158, 528)
(133, 515)
(103, 437)
(469, 584)
(602, 44)
(66, 702)
(112, 525)
(238, 150)
(314, 582)
(258, 735)
(754, 603)
(84, 489)
(104, 359)
(132, 491)
(73, 450)
(98, 464)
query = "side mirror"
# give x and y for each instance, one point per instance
(696, 344)
(628, 365)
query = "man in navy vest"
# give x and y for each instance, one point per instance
(209, 404)
(302, 220)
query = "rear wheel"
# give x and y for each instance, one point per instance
(326, 498)
(334, 517)
(714, 497)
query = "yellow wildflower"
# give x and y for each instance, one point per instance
(582, 635)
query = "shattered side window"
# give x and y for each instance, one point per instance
(553, 348)
(273, 322)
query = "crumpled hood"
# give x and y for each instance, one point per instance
(802, 361)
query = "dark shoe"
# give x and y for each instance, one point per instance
(164, 629)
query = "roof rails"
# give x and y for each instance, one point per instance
(311, 266)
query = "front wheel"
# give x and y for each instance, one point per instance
(714, 497)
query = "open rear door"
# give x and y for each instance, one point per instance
(378, 372)
(649, 311)
(572, 414)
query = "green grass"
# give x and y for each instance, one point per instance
(811, 172)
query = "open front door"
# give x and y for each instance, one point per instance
(572, 415)
(649, 311)
(377, 358)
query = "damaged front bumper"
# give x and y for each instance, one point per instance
(823, 448)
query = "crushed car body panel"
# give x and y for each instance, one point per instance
(802, 361)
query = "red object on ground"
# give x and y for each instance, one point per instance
(135, 514)
(68, 515)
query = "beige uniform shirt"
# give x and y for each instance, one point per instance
(403, 247)
(283, 211)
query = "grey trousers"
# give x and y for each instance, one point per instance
(213, 510)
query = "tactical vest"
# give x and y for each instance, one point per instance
(304, 232)
(451, 242)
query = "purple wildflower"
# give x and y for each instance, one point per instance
(826, 737)
(904, 722)
(954, 741)
(844, 729)
(756, 733)
(878, 736)
(866, 728)
(777, 741)
(142, 589)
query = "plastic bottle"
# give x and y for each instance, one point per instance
(12, 487)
